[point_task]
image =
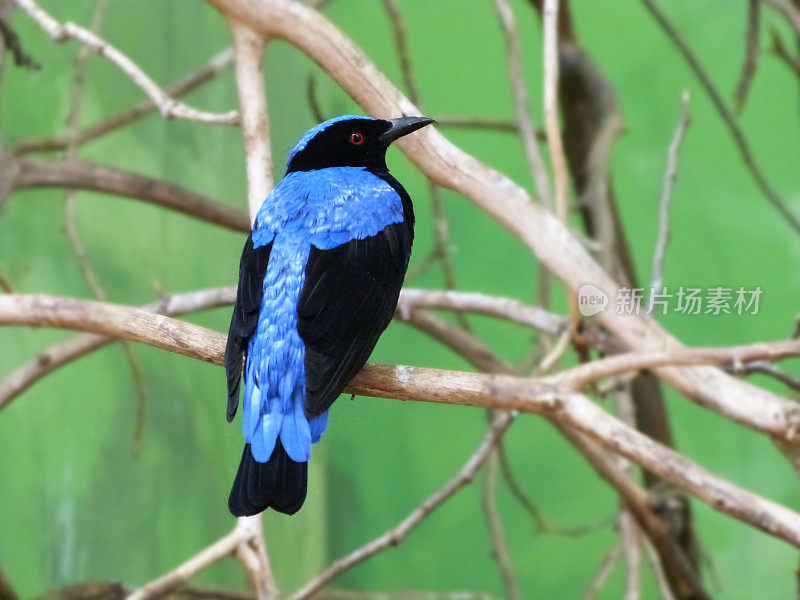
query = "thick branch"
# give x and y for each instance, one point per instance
(429, 385)
(58, 355)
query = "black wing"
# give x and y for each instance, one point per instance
(252, 268)
(348, 298)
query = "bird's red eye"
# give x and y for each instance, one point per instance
(356, 138)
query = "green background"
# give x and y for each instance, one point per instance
(76, 505)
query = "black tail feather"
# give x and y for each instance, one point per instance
(280, 483)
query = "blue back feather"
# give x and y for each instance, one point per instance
(324, 208)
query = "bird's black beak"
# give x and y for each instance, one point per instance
(403, 126)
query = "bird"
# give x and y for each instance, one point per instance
(319, 280)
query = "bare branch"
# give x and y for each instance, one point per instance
(504, 201)
(58, 355)
(71, 228)
(525, 123)
(88, 176)
(770, 370)
(9, 40)
(552, 125)
(213, 554)
(169, 107)
(540, 523)
(395, 536)
(207, 72)
(401, 595)
(496, 532)
(501, 125)
(64, 353)
(789, 11)
(607, 564)
(6, 589)
(778, 48)
(657, 275)
(736, 356)
(658, 571)
(631, 545)
(5, 284)
(242, 542)
(751, 55)
(571, 410)
(401, 44)
(249, 48)
(483, 304)
(730, 121)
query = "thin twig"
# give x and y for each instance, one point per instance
(71, 228)
(483, 123)
(541, 525)
(484, 304)
(401, 45)
(770, 370)
(752, 49)
(496, 532)
(6, 589)
(657, 277)
(658, 571)
(789, 11)
(313, 99)
(607, 564)
(553, 128)
(552, 125)
(441, 239)
(631, 541)
(401, 595)
(218, 63)
(527, 129)
(240, 541)
(727, 116)
(396, 536)
(169, 107)
(790, 59)
(9, 40)
(5, 284)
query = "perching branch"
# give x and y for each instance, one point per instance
(568, 408)
(63, 353)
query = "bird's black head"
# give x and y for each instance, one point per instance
(350, 141)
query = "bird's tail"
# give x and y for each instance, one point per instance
(280, 484)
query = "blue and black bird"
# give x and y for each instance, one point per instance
(319, 279)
